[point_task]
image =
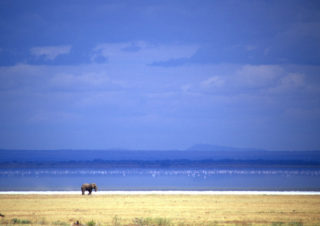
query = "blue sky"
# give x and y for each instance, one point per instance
(159, 74)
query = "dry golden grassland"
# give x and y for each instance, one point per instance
(160, 209)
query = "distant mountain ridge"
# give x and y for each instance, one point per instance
(195, 153)
(210, 147)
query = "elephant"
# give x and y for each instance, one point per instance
(88, 187)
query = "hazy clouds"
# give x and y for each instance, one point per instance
(159, 75)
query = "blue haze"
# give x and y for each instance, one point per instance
(215, 168)
(159, 75)
(236, 179)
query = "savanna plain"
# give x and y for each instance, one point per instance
(159, 210)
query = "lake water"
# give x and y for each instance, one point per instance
(220, 179)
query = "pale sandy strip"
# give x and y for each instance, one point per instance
(163, 193)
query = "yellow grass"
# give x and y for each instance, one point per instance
(178, 209)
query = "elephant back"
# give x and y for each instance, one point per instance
(85, 185)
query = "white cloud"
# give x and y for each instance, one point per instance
(257, 76)
(50, 52)
(290, 82)
(243, 79)
(84, 79)
(206, 88)
(293, 80)
(264, 82)
(142, 53)
(185, 87)
(215, 81)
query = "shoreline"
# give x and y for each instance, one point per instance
(162, 193)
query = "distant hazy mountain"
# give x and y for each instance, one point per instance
(209, 147)
(195, 153)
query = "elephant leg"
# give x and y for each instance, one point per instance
(82, 192)
(90, 190)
